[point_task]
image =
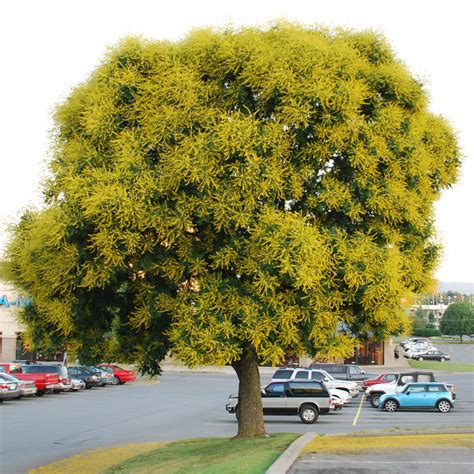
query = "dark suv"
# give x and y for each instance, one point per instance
(306, 399)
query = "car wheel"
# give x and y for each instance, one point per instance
(374, 399)
(391, 406)
(56, 391)
(40, 393)
(443, 406)
(116, 381)
(308, 414)
(420, 358)
(442, 359)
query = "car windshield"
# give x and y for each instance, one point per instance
(328, 375)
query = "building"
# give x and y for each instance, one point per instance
(10, 327)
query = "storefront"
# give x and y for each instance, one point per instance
(10, 327)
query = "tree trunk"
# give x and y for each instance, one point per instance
(250, 412)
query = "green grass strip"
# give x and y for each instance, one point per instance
(210, 456)
(446, 366)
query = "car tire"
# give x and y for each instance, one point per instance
(443, 359)
(420, 358)
(444, 406)
(308, 414)
(116, 381)
(374, 399)
(390, 405)
(40, 393)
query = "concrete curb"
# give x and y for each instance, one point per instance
(290, 455)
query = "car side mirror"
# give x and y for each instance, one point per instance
(326, 379)
(263, 391)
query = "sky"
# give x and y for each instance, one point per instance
(49, 46)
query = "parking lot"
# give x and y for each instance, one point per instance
(37, 431)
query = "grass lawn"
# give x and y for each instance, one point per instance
(446, 366)
(210, 456)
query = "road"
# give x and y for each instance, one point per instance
(37, 431)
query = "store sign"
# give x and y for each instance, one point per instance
(13, 302)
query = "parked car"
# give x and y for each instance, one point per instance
(120, 375)
(77, 384)
(345, 372)
(44, 381)
(432, 355)
(298, 373)
(91, 379)
(414, 340)
(306, 399)
(419, 396)
(382, 378)
(106, 376)
(27, 387)
(8, 390)
(65, 384)
(375, 392)
(412, 352)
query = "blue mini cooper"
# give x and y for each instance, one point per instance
(420, 396)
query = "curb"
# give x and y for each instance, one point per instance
(289, 456)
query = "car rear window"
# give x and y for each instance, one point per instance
(307, 388)
(41, 369)
(282, 374)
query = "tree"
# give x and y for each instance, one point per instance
(237, 195)
(458, 320)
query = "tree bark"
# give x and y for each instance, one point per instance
(250, 412)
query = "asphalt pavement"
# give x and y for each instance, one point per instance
(181, 405)
(399, 461)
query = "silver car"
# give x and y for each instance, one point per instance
(27, 387)
(306, 399)
(8, 390)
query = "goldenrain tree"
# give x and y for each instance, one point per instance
(233, 196)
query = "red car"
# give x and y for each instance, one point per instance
(382, 378)
(120, 375)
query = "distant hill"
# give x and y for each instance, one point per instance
(464, 288)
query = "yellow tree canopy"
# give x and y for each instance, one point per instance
(263, 188)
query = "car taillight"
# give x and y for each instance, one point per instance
(331, 403)
(451, 389)
(3, 386)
